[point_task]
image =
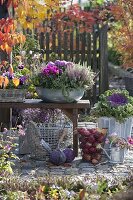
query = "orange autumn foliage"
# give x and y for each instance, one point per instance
(8, 36)
(122, 31)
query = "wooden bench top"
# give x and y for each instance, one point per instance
(38, 103)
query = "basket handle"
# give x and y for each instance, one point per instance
(61, 138)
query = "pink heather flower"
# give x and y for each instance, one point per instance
(19, 126)
(113, 134)
(130, 140)
(21, 132)
(7, 147)
(5, 130)
(107, 141)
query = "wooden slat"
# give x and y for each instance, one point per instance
(77, 45)
(47, 46)
(59, 45)
(83, 43)
(71, 46)
(65, 46)
(53, 42)
(41, 40)
(104, 82)
(94, 61)
(89, 53)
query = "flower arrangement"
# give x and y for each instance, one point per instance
(115, 141)
(63, 75)
(115, 103)
(10, 78)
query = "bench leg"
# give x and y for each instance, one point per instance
(73, 116)
(75, 134)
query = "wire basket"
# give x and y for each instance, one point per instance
(12, 95)
(49, 132)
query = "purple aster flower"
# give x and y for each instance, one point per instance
(10, 76)
(21, 66)
(61, 63)
(117, 99)
(22, 80)
(50, 64)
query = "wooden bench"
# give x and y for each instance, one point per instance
(70, 109)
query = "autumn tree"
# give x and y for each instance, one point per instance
(122, 30)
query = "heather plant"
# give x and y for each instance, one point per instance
(42, 115)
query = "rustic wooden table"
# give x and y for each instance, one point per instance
(70, 109)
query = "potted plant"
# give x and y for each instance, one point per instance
(12, 83)
(114, 111)
(116, 147)
(62, 81)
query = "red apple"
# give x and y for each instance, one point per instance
(91, 139)
(94, 161)
(92, 149)
(86, 157)
(101, 139)
(93, 130)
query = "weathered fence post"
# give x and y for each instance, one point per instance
(103, 59)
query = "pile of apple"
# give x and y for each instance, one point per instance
(89, 143)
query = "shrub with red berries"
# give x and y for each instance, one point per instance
(89, 140)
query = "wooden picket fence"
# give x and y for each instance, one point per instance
(82, 47)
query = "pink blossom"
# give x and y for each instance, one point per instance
(7, 147)
(130, 140)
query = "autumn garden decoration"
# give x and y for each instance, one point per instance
(62, 81)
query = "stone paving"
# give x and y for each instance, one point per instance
(28, 168)
(79, 169)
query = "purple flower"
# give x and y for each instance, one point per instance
(22, 80)
(50, 70)
(21, 66)
(50, 64)
(61, 63)
(117, 99)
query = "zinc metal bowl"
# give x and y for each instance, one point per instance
(53, 95)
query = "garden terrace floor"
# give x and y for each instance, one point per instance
(78, 169)
(28, 168)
